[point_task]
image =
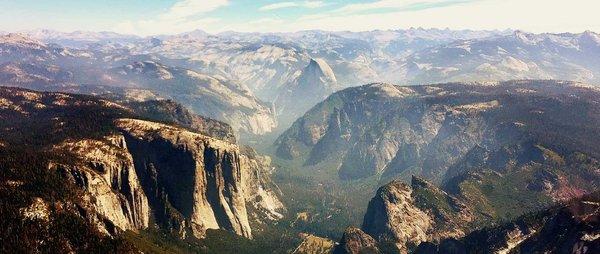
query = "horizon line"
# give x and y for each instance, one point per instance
(507, 30)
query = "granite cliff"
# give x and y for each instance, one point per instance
(134, 174)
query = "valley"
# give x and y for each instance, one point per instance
(396, 141)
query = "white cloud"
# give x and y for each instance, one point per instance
(267, 22)
(527, 15)
(386, 4)
(189, 8)
(183, 16)
(282, 5)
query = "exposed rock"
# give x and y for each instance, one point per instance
(314, 245)
(315, 83)
(393, 216)
(355, 241)
(570, 227)
(108, 175)
(205, 95)
(259, 191)
(38, 210)
(452, 217)
(195, 179)
(134, 174)
(393, 131)
(407, 216)
(171, 111)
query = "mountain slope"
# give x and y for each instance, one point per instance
(518, 55)
(388, 130)
(503, 148)
(35, 65)
(205, 95)
(398, 221)
(571, 227)
(95, 161)
(315, 83)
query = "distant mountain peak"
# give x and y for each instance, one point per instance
(590, 36)
(524, 37)
(198, 33)
(18, 38)
(320, 68)
(148, 67)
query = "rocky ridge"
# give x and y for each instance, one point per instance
(136, 174)
(32, 64)
(569, 227)
(516, 136)
(566, 227)
(315, 83)
(408, 215)
(355, 241)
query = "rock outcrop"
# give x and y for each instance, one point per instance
(261, 194)
(314, 245)
(355, 241)
(134, 174)
(315, 83)
(195, 181)
(406, 215)
(570, 227)
(392, 216)
(205, 95)
(107, 173)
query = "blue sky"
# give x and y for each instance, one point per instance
(150, 17)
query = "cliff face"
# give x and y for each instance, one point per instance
(107, 174)
(355, 241)
(133, 174)
(570, 227)
(194, 181)
(397, 131)
(315, 82)
(393, 216)
(184, 181)
(406, 215)
(384, 129)
(261, 194)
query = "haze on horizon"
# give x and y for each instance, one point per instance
(153, 17)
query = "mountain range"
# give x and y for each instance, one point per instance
(459, 156)
(119, 166)
(398, 141)
(264, 70)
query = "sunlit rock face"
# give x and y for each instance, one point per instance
(355, 241)
(406, 215)
(195, 179)
(259, 190)
(315, 83)
(108, 175)
(393, 216)
(184, 177)
(184, 181)
(442, 132)
(209, 96)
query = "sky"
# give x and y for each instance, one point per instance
(154, 17)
